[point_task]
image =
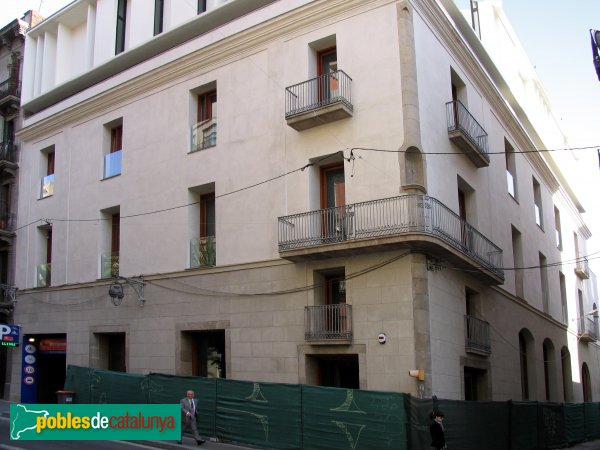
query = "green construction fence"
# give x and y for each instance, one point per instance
(288, 416)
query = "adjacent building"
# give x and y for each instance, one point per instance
(12, 43)
(333, 192)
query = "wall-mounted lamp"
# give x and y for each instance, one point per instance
(116, 293)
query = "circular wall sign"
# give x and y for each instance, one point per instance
(30, 359)
(29, 369)
(29, 380)
(30, 348)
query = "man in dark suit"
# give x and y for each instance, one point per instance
(189, 412)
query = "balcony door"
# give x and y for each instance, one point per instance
(335, 298)
(328, 75)
(207, 244)
(333, 201)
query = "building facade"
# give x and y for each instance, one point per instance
(253, 190)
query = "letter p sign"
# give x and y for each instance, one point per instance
(4, 331)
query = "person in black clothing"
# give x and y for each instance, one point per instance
(436, 429)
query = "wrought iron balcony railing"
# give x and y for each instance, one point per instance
(43, 275)
(8, 152)
(587, 329)
(461, 121)
(582, 268)
(204, 134)
(109, 265)
(11, 87)
(203, 252)
(112, 164)
(328, 322)
(7, 219)
(321, 91)
(477, 337)
(406, 214)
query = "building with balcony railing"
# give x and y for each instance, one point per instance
(364, 228)
(12, 41)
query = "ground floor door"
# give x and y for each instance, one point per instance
(334, 371)
(43, 368)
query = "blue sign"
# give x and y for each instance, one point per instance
(29, 375)
(10, 335)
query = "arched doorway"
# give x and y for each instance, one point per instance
(586, 383)
(549, 369)
(526, 343)
(567, 376)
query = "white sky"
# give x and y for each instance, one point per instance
(555, 35)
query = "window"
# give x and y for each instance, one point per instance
(43, 272)
(203, 232)
(111, 348)
(549, 368)
(327, 71)
(475, 382)
(204, 131)
(121, 23)
(537, 201)
(111, 243)
(511, 169)
(563, 298)
(525, 354)
(336, 223)
(580, 312)
(201, 6)
(47, 188)
(159, 7)
(113, 160)
(557, 227)
(203, 353)
(565, 357)
(330, 317)
(544, 281)
(517, 261)
(586, 383)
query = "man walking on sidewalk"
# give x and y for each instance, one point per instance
(189, 411)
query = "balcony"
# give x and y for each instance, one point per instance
(582, 268)
(477, 336)
(10, 95)
(109, 265)
(47, 186)
(467, 134)
(328, 324)
(8, 297)
(203, 252)
(587, 329)
(323, 99)
(7, 224)
(204, 135)
(8, 157)
(112, 164)
(416, 222)
(43, 275)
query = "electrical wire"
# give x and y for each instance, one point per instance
(202, 291)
